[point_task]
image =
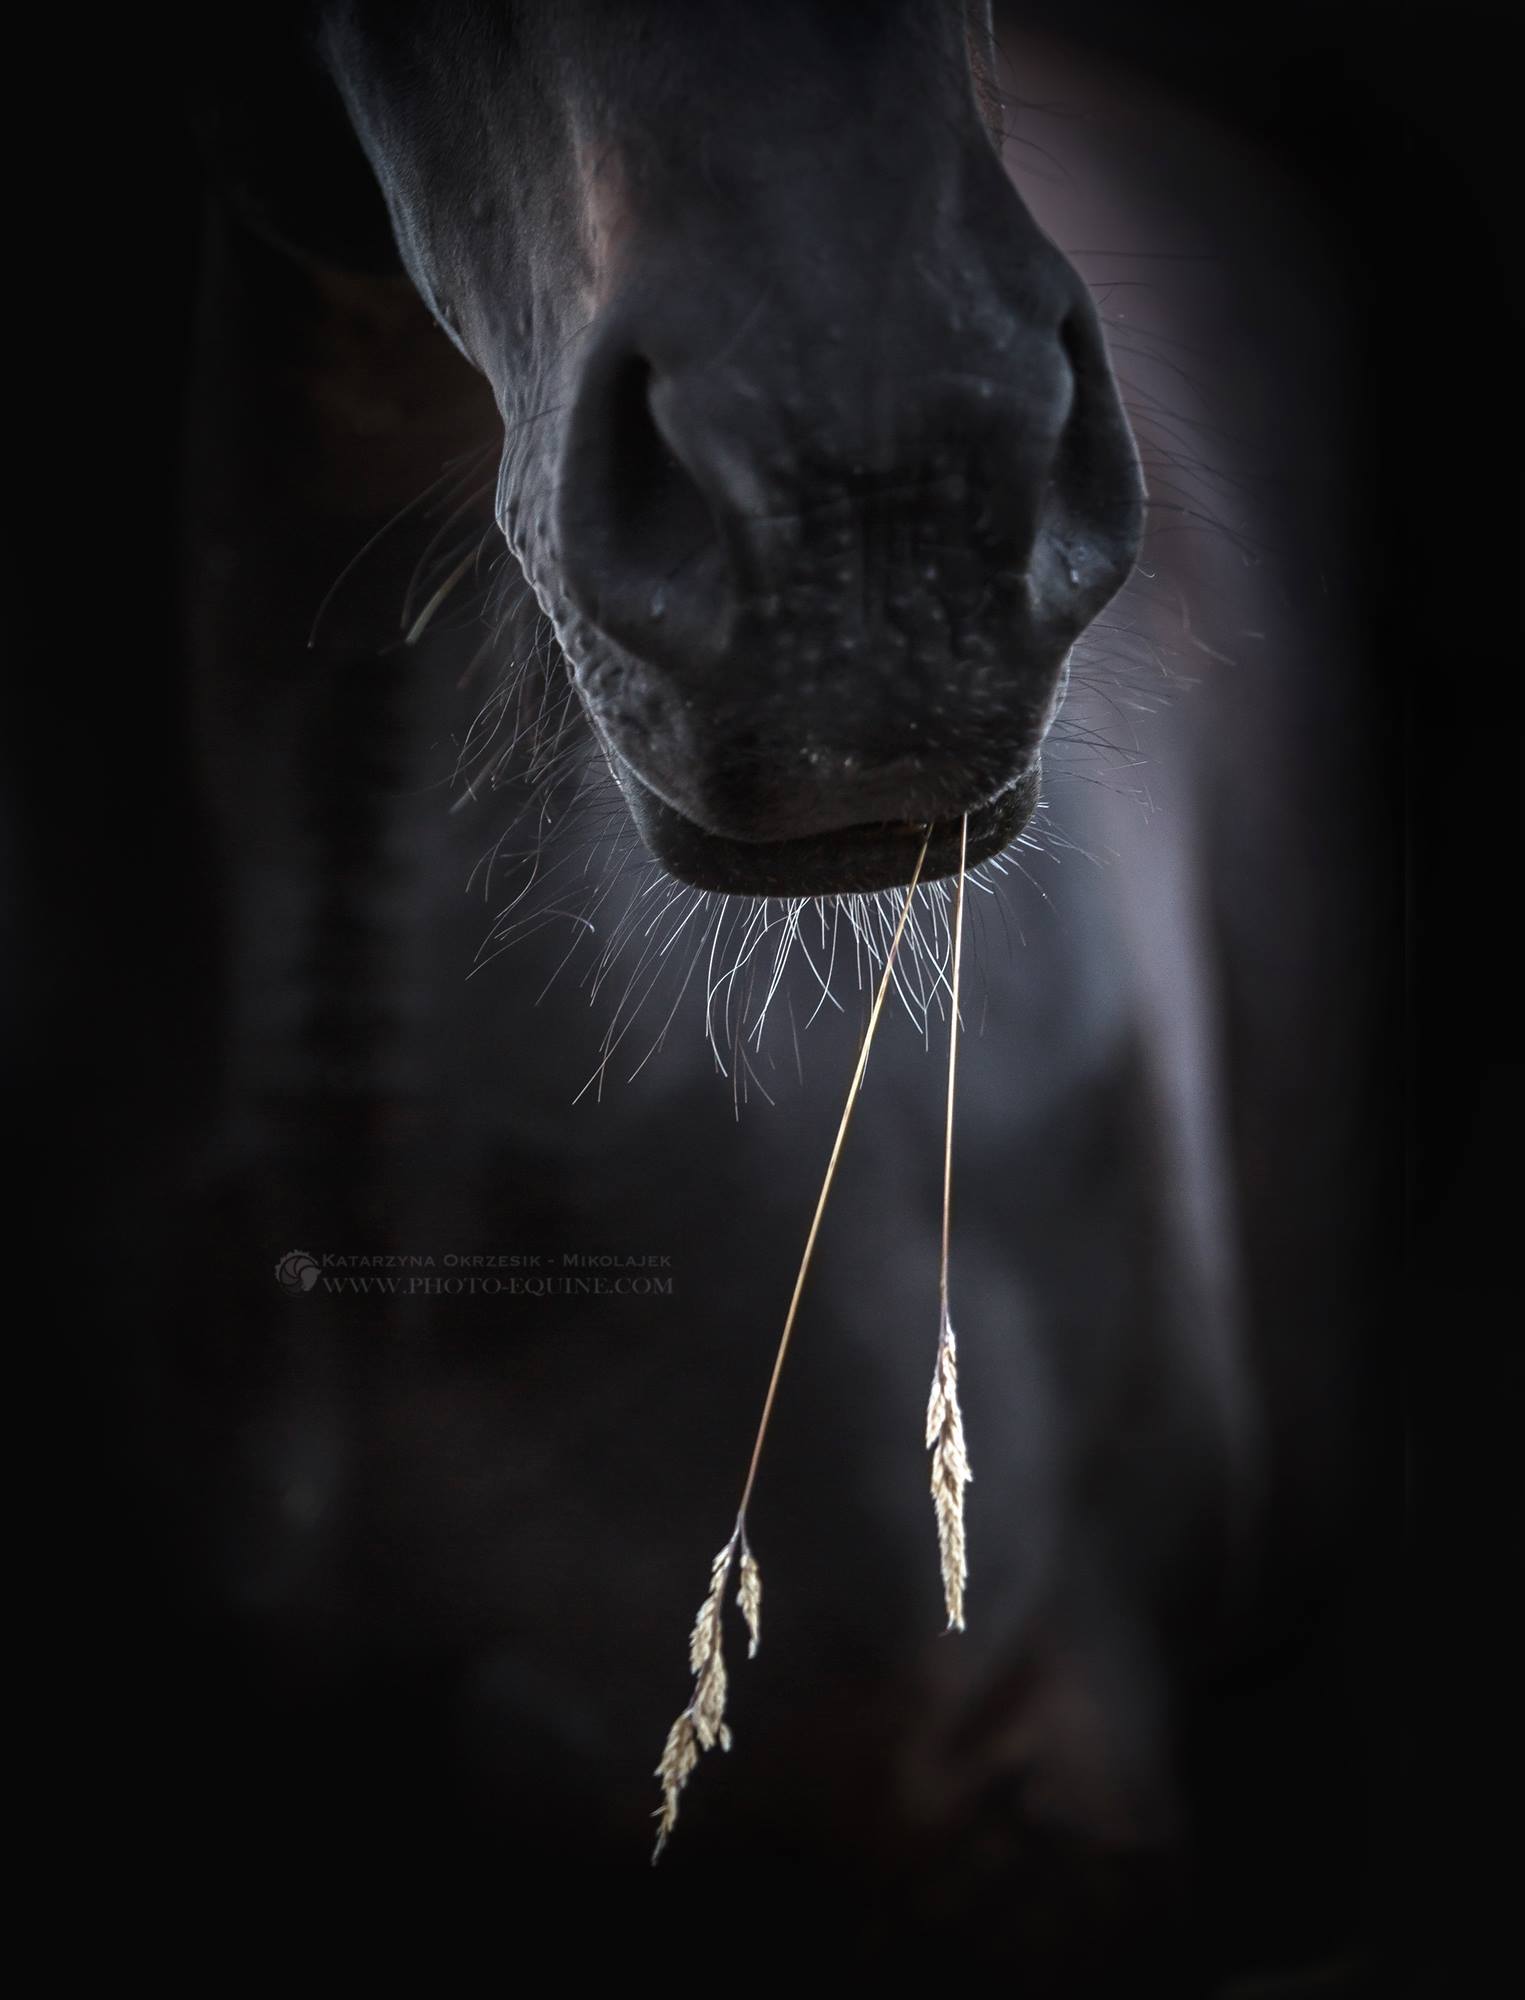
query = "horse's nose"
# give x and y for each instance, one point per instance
(689, 493)
(840, 575)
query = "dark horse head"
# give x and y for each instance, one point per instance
(813, 455)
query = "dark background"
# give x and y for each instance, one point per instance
(1400, 125)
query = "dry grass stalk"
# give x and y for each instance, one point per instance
(680, 1754)
(945, 1422)
(702, 1724)
(950, 1475)
(706, 1657)
(749, 1597)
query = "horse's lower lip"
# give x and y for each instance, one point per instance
(846, 861)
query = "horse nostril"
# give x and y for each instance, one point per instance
(661, 516)
(1072, 345)
(1070, 342)
(640, 540)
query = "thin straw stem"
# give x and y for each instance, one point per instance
(953, 1027)
(831, 1168)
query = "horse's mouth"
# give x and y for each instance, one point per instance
(849, 860)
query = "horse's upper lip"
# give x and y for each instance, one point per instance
(879, 854)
